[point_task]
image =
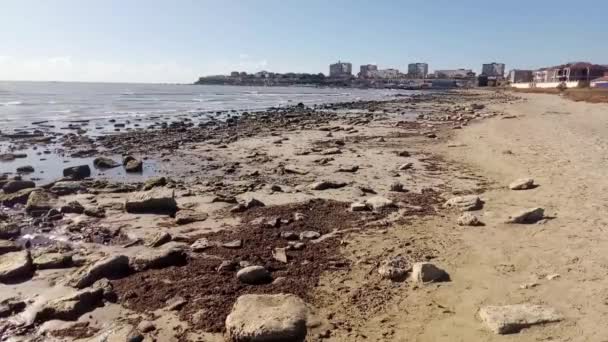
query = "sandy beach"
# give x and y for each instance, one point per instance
(362, 221)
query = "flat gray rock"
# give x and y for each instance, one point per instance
(171, 254)
(510, 319)
(15, 266)
(189, 216)
(267, 318)
(155, 201)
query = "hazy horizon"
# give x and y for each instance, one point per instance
(159, 42)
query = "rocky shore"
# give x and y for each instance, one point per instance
(290, 224)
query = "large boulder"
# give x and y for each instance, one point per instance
(156, 201)
(527, 216)
(465, 203)
(108, 267)
(77, 172)
(15, 266)
(510, 319)
(267, 318)
(39, 202)
(17, 185)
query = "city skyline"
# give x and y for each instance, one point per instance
(154, 41)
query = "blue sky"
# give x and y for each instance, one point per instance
(178, 40)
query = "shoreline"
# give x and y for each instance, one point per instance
(228, 195)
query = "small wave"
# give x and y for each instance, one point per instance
(11, 103)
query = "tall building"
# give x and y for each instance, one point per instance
(340, 69)
(418, 70)
(493, 70)
(365, 71)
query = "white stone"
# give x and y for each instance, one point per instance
(378, 203)
(522, 184)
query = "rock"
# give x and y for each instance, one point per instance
(17, 185)
(200, 245)
(309, 235)
(378, 203)
(104, 163)
(247, 204)
(189, 216)
(19, 197)
(279, 254)
(424, 272)
(289, 235)
(405, 166)
(397, 187)
(403, 153)
(70, 307)
(77, 172)
(53, 260)
(7, 246)
(295, 245)
(108, 267)
(156, 201)
(332, 150)
(72, 208)
(176, 303)
(15, 266)
(11, 306)
(294, 170)
(66, 188)
(9, 231)
(267, 318)
(358, 206)
(171, 254)
(522, 184)
(351, 168)
(465, 203)
(234, 244)
(510, 319)
(40, 202)
(97, 212)
(468, 219)
(527, 216)
(127, 159)
(155, 182)
(254, 275)
(227, 266)
(134, 166)
(145, 326)
(159, 239)
(394, 268)
(25, 169)
(325, 185)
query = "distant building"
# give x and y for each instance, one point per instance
(235, 74)
(454, 73)
(520, 76)
(493, 70)
(341, 69)
(570, 72)
(385, 74)
(366, 70)
(418, 70)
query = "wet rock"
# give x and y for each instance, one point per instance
(70, 307)
(53, 260)
(66, 188)
(39, 202)
(105, 163)
(527, 216)
(280, 317)
(159, 239)
(155, 201)
(9, 230)
(189, 216)
(309, 235)
(19, 197)
(134, 166)
(394, 268)
(235, 244)
(246, 205)
(17, 185)
(25, 169)
(465, 203)
(424, 272)
(73, 207)
(510, 319)
(11, 306)
(108, 267)
(154, 182)
(254, 275)
(77, 172)
(7, 246)
(200, 245)
(378, 203)
(171, 254)
(325, 185)
(15, 266)
(522, 184)
(468, 219)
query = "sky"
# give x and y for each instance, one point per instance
(179, 40)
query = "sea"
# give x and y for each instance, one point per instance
(22, 103)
